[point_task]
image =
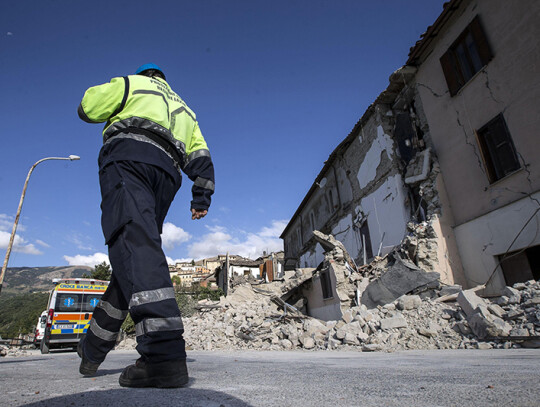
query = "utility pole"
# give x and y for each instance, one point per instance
(12, 238)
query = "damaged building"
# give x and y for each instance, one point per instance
(442, 164)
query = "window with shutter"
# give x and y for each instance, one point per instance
(466, 56)
(497, 148)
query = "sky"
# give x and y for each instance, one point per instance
(276, 86)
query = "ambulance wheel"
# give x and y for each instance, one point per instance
(44, 347)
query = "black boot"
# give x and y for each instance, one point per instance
(171, 373)
(86, 368)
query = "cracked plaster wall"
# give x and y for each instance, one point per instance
(387, 214)
(484, 238)
(323, 309)
(508, 84)
(367, 169)
(382, 146)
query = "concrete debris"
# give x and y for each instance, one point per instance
(16, 351)
(388, 305)
(421, 245)
(470, 302)
(401, 278)
(408, 302)
(333, 248)
(248, 319)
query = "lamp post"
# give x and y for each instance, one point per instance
(12, 238)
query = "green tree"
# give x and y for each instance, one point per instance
(19, 313)
(204, 293)
(192, 262)
(102, 271)
(177, 280)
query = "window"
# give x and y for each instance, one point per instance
(366, 239)
(326, 284)
(68, 302)
(312, 220)
(330, 201)
(521, 266)
(467, 55)
(498, 151)
(90, 301)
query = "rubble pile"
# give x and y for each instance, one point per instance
(388, 305)
(409, 322)
(420, 245)
(515, 315)
(16, 351)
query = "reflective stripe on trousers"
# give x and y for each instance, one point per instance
(132, 215)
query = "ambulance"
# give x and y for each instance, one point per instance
(69, 311)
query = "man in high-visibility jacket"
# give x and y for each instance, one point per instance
(150, 135)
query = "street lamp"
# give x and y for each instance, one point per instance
(10, 244)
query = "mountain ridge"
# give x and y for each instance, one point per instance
(22, 280)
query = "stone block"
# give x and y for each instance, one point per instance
(372, 347)
(519, 332)
(408, 302)
(315, 327)
(340, 333)
(394, 322)
(463, 328)
(490, 326)
(347, 316)
(514, 314)
(450, 289)
(360, 320)
(401, 278)
(333, 343)
(308, 343)
(352, 328)
(366, 315)
(496, 310)
(428, 332)
(514, 296)
(350, 339)
(389, 307)
(362, 337)
(502, 300)
(286, 344)
(229, 331)
(469, 302)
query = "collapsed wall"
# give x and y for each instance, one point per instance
(388, 305)
(409, 322)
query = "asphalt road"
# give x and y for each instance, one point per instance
(414, 378)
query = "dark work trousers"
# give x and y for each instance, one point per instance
(135, 199)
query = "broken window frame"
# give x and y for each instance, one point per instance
(496, 147)
(469, 53)
(366, 239)
(326, 284)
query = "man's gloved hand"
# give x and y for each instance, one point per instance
(198, 213)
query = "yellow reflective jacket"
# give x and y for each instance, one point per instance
(138, 104)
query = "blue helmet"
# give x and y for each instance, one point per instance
(146, 67)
